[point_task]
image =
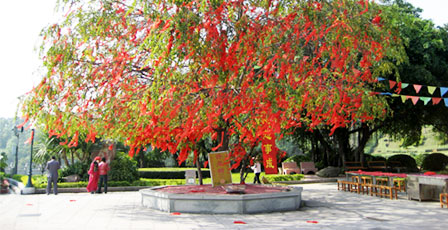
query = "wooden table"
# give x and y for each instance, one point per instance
(389, 176)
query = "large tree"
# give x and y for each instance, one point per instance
(171, 73)
(426, 48)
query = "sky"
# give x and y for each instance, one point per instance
(20, 25)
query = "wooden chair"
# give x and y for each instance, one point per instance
(290, 167)
(377, 165)
(377, 188)
(354, 185)
(306, 167)
(400, 184)
(353, 165)
(366, 181)
(342, 185)
(443, 199)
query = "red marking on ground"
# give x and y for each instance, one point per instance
(72, 200)
(208, 189)
(29, 204)
(239, 222)
(175, 214)
(312, 222)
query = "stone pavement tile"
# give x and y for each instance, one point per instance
(324, 208)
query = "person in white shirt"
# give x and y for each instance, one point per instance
(257, 170)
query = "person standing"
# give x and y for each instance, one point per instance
(52, 177)
(104, 169)
(257, 171)
(94, 174)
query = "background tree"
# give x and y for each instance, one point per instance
(171, 73)
(426, 64)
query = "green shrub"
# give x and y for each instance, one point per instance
(419, 158)
(435, 162)
(369, 157)
(37, 180)
(123, 168)
(275, 178)
(18, 177)
(78, 168)
(406, 161)
(298, 159)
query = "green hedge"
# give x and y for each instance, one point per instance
(276, 178)
(435, 162)
(141, 182)
(161, 174)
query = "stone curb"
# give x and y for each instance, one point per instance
(83, 189)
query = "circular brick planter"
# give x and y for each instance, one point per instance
(199, 201)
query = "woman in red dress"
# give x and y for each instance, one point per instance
(94, 174)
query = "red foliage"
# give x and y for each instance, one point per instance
(170, 79)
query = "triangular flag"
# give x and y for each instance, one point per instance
(415, 99)
(417, 88)
(392, 84)
(443, 90)
(404, 85)
(436, 100)
(385, 93)
(446, 101)
(431, 89)
(395, 95)
(425, 100)
(380, 79)
(403, 98)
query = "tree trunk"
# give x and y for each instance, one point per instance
(342, 137)
(198, 166)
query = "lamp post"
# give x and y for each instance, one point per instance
(17, 134)
(30, 174)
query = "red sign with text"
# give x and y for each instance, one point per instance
(269, 154)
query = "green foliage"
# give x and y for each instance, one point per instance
(298, 159)
(426, 48)
(275, 178)
(157, 182)
(3, 161)
(141, 182)
(374, 158)
(156, 158)
(78, 168)
(123, 168)
(419, 159)
(37, 180)
(406, 161)
(435, 162)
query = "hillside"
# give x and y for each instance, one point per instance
(387, 146)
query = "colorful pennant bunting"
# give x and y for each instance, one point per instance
(436, 100)
(446, 101)
(431, 89)
(417, 88)
(392, 84)
(403, 98)
(425, 100)
(404, 85)
(414, 99)
(443, 90)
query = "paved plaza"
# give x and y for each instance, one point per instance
(324, 208)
